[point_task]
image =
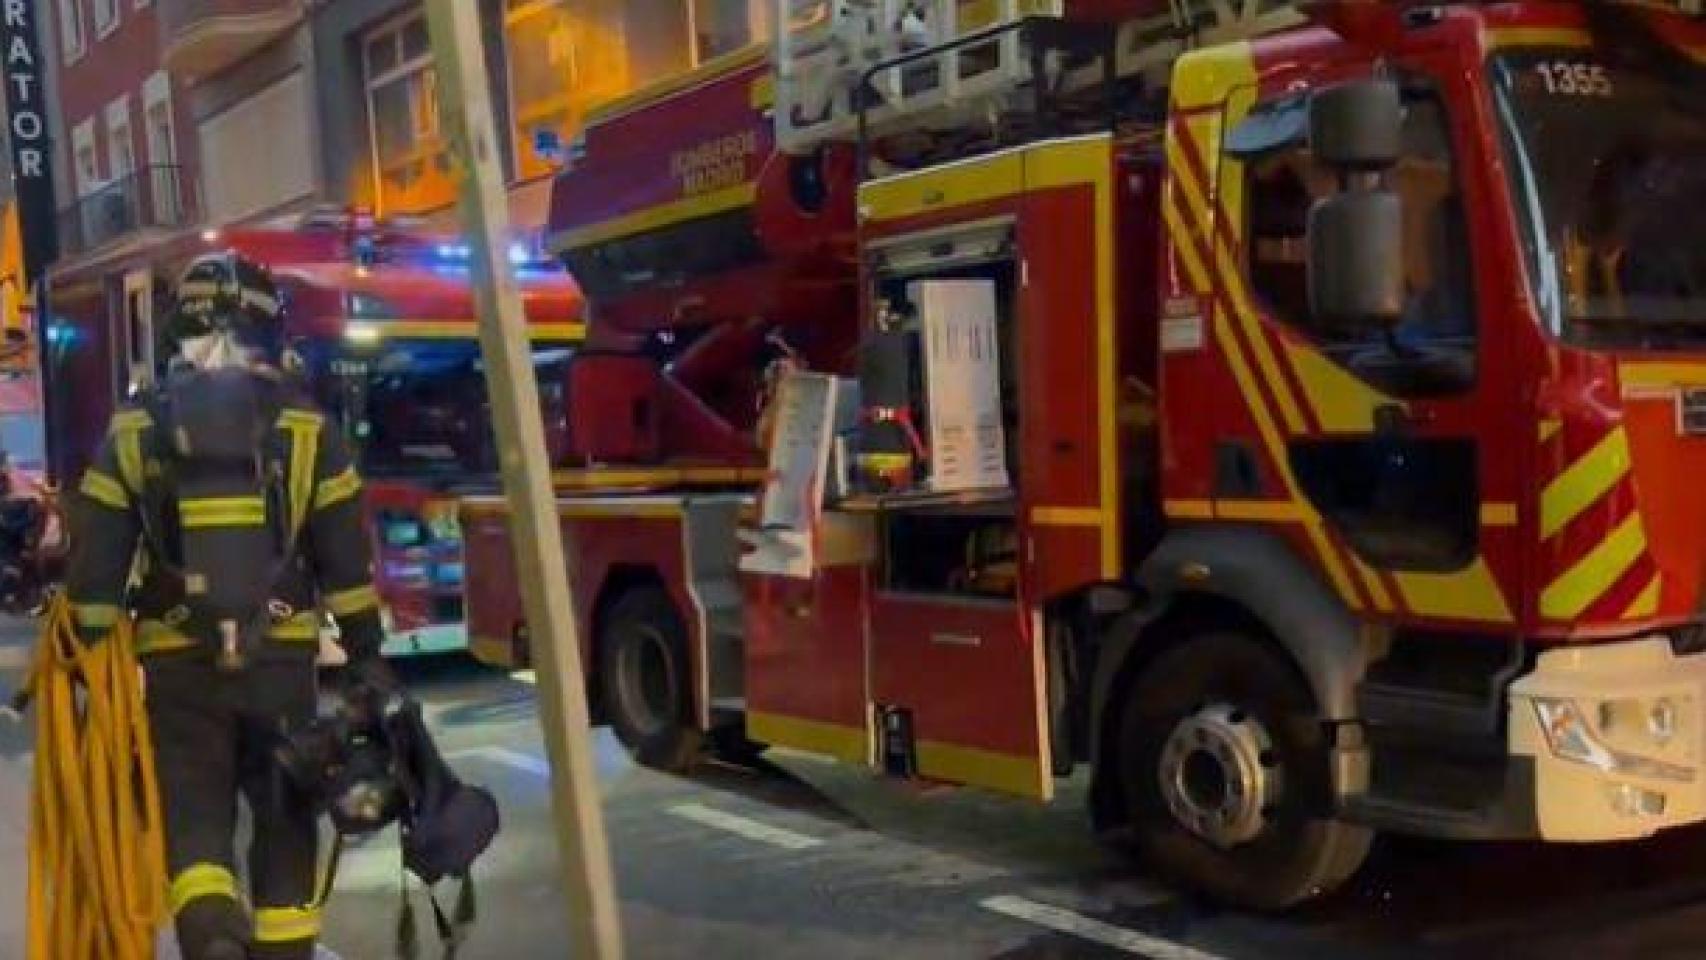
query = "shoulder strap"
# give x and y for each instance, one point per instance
(148, 494)
(303, 428)
(128, 427)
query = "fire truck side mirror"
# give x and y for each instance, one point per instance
(1356, 242)
(1357, 126)
(1356, 260)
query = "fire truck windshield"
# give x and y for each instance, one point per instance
(418, 409)
(1608, 165)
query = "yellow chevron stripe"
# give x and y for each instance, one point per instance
(1584, 482)
(1646, 603)
(1592, 575)
(1197, 275)
(1197, 207)
(1549, 428)
(1468, 594)
(1371, 581)
(1205, 131)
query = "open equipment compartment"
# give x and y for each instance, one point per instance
(941, 396)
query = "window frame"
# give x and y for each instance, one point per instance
(519, 113)
(73, 36)
(83, 138)
(110, 27)
(1301, 326)
(117, 118)
(403, 71)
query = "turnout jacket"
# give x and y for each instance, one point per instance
(308, 539)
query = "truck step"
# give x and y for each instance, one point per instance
(1426, 711)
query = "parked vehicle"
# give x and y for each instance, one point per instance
(381, 323)
(1288, 411)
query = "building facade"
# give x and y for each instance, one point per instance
(190, 114)
(552, 62)
(179, 117)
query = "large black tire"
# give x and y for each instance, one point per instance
(646, 680)
(1197, 709)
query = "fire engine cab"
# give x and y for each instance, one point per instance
(1288, 411)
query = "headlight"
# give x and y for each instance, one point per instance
(1569, 737)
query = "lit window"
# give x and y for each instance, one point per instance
(411, 168)
(563, 57)
(724, 26)
(566, 57)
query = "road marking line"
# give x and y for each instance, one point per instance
(744, 826)
(1078, 925)
(505, 756)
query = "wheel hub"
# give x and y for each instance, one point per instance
(1220, 776)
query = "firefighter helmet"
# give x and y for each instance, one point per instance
(225, 293)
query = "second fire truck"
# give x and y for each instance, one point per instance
(380, 316)
(1291, 413)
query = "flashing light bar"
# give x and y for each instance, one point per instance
(462, 253)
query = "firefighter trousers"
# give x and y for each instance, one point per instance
(214, 737)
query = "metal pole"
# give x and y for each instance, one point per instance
(465, 102)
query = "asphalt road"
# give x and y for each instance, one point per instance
(800, 858)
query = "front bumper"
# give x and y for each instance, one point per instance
(1616, 734)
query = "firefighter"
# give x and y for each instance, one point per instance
(222, 512)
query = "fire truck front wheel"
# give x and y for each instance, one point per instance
(646, 679)
(1225, 765)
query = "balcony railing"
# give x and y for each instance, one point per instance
(154, 197)
(203, 37)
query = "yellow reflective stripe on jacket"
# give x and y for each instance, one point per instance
(284, 924)
(304, 429)
(303, 626)
(155, 636)
(337, 489)
(201, 512)
(127, 444)
(347, 603)
(96, 616)
(152, 636)
(201, 880)
(105, 490)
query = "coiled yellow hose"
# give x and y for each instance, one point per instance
(97, 862)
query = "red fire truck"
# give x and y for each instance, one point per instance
(380, 316)
(1289, 412)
